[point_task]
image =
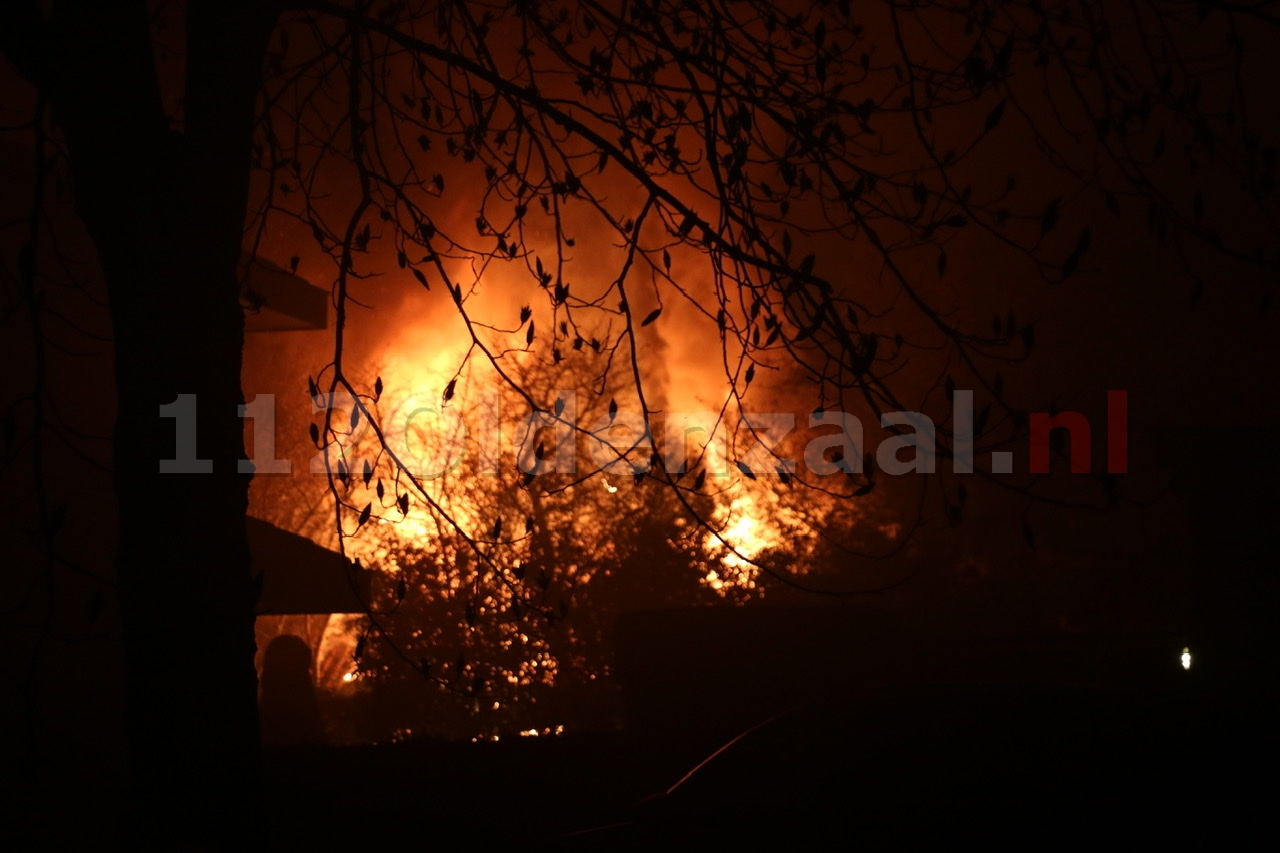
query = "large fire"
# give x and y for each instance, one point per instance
(496, 462)
(479, 561)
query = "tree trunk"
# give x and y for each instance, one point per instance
(166, 209)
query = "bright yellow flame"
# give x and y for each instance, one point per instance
(743, 535)
(1186, 658)
(747, 535)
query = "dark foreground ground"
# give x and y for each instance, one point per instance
(1024, 766)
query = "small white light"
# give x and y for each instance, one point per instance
(1186, 658)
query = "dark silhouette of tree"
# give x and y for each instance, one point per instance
(507, 584)
(787, 180)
